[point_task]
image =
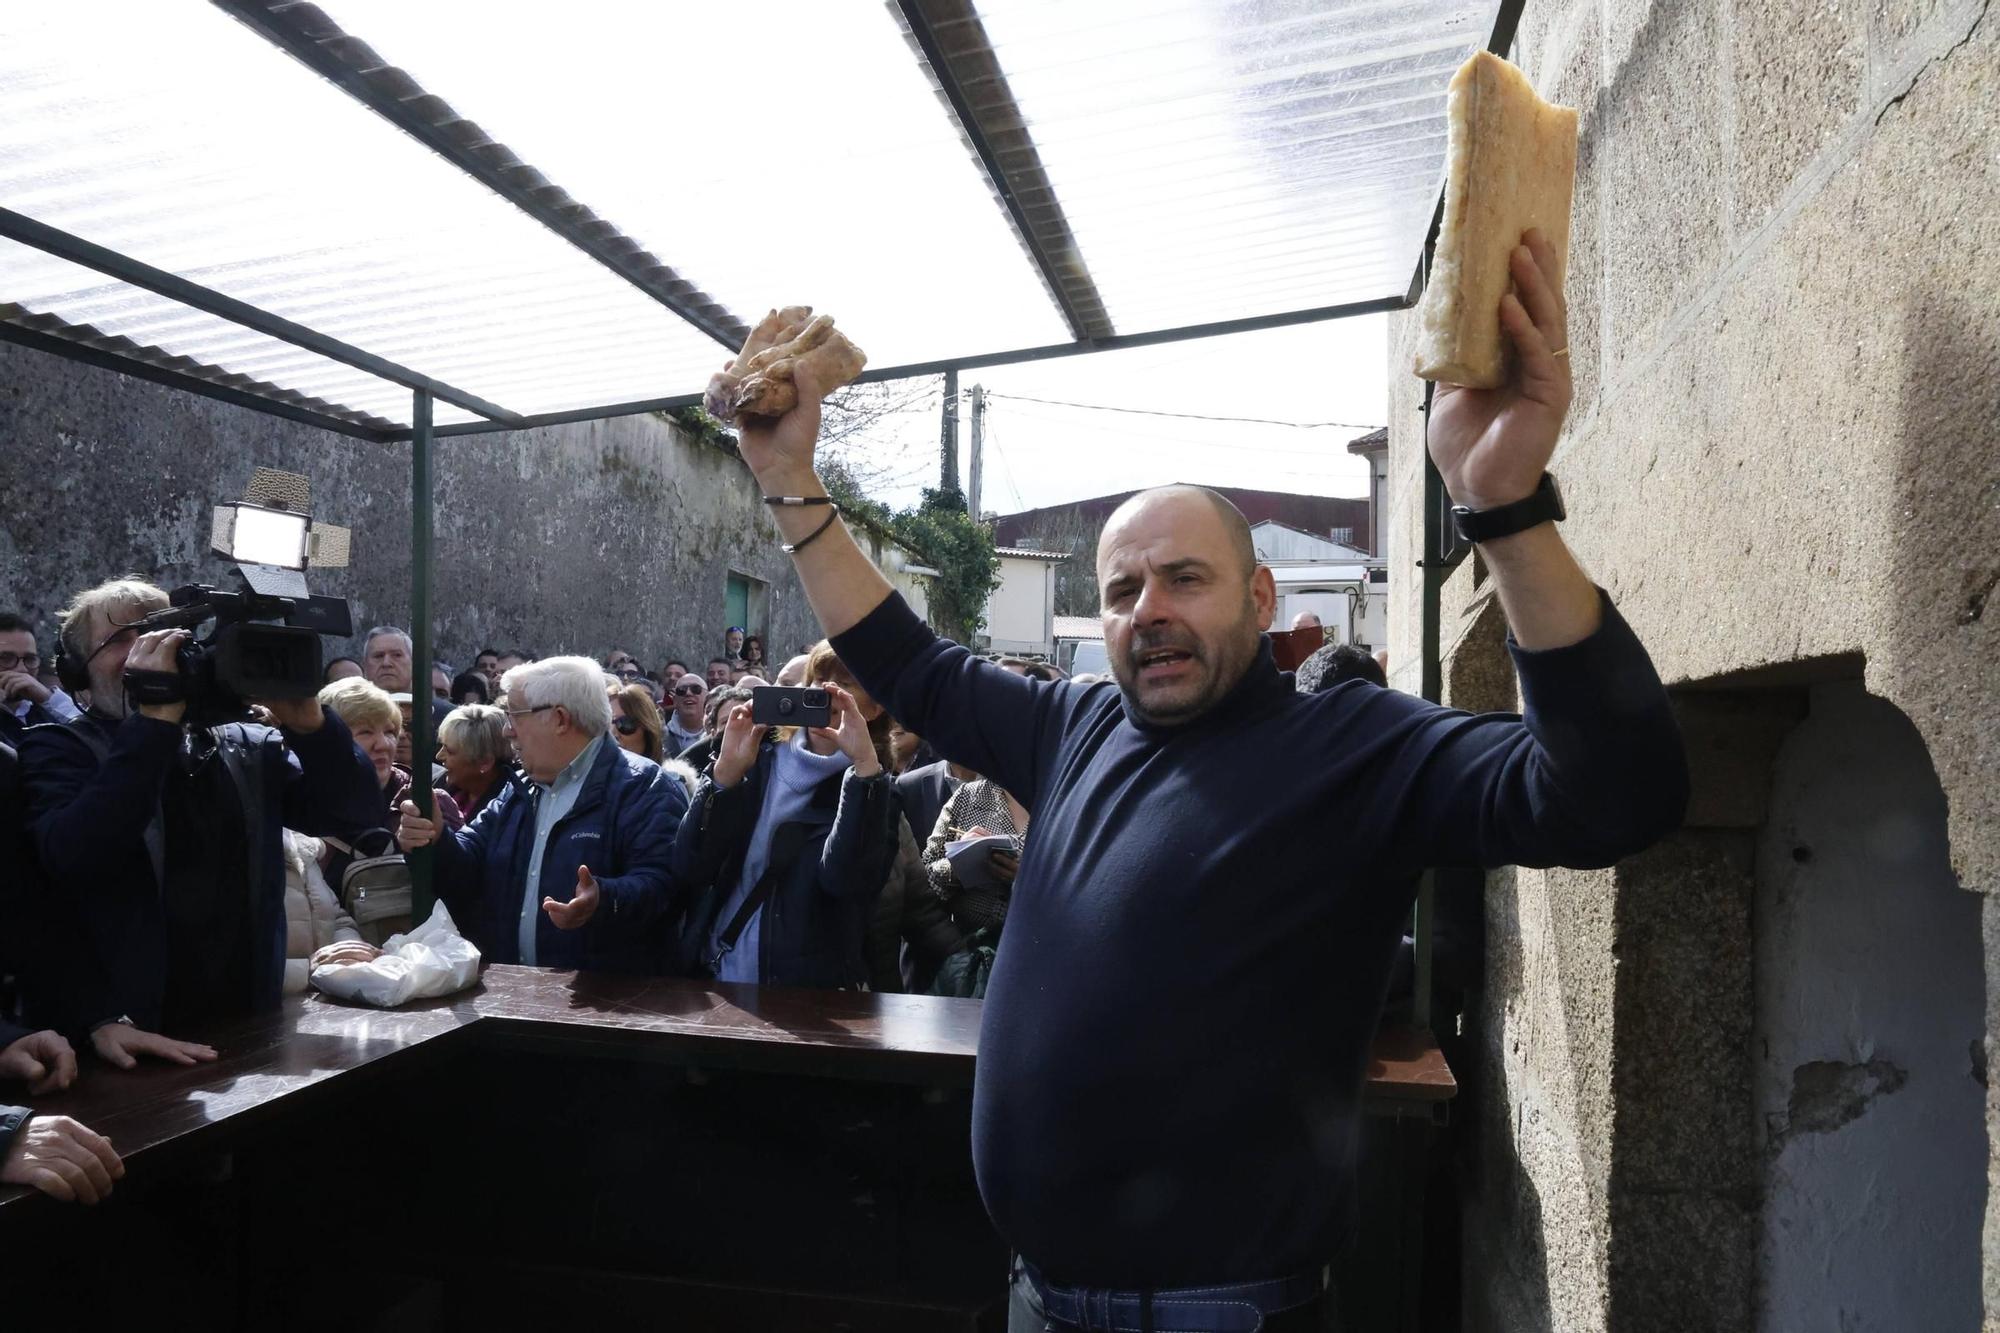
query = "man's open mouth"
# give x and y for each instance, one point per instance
(1161, 663)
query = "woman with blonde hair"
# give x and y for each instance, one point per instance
(478, 759)
(376, 721)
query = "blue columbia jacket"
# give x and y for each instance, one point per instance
(622, 827)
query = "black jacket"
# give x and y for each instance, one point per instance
(15, 866)
(910, 933)
(93, 796)
(923, 792)
(12, 1118)
(829, 867)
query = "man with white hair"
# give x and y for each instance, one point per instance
(568, 869)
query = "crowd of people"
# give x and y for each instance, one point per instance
(585, 813)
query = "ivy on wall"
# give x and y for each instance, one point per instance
(939, 529)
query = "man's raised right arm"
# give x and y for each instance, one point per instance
(972, 711)
(841, 582)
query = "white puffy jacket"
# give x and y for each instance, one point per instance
(313, 918)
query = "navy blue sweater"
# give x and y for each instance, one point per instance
(1178, 1021)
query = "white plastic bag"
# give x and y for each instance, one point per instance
(434, 959)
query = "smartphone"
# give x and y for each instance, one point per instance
(790, 706)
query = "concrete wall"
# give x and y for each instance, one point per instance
(569, 538)
(1785, 329)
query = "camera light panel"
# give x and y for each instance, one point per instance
(250, 534)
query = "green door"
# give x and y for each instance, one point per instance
(735, 607)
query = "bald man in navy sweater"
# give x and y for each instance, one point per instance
(1176, 1029)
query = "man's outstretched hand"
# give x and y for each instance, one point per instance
(1491, 446)
(580, 908)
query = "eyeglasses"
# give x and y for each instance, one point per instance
(682, 691)
(538, 708)
(20, 661)
(626, 725)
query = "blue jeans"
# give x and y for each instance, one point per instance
(1170, 1314)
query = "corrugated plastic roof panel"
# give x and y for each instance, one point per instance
(1208, 160)
(1222, 159)
(175, 135)
(118, 310)
(779, 152)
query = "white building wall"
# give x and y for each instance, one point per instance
(1019, 613)
(1275, 541)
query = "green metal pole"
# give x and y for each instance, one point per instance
(423, 741)
(1435, 570)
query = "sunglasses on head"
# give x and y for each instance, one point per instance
(626, 725)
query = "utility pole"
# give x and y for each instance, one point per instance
(948, 464)
(978, 448)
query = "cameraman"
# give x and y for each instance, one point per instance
(161, 842)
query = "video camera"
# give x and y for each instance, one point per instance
(265, 644)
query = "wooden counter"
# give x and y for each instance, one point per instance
(288, 1057)
(557, 1149)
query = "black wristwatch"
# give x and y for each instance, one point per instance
(1483, 525)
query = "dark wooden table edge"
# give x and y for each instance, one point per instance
(694, 1045)
(255, 1118)
(733, 1049)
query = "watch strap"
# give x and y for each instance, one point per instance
(1484, 525)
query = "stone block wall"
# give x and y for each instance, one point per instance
(1784, 297)
(562, 539)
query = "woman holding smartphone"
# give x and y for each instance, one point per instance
(788, 842)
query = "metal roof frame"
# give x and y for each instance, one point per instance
(946, 34)
(991, 126)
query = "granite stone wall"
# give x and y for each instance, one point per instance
(1785, 327)
(561, 539)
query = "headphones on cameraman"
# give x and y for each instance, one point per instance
(71, 674)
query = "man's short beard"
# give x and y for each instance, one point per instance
(1223, 674)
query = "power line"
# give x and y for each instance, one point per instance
(1187, 416)
(993, 439)
(1249, 450)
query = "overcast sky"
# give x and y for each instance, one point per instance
(1039, 454)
